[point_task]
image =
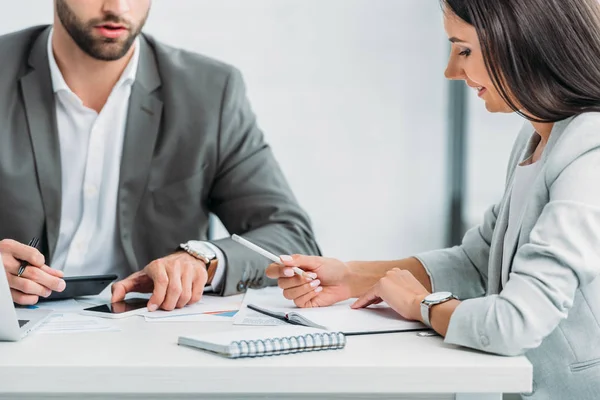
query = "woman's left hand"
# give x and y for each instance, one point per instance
(400, 290)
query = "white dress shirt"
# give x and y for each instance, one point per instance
(91, 146)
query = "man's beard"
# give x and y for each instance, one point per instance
(100, 48)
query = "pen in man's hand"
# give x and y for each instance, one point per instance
(32, 243)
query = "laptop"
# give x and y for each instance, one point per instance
(15, 324)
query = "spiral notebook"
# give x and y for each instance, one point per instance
(265, 342)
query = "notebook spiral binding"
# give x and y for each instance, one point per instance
(287, 345)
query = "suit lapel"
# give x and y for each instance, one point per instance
(496, 249)
(500, 247)
(39, 103)
(143, 122)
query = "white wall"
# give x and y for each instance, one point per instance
(350, 94)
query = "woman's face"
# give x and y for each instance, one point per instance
(466, 62)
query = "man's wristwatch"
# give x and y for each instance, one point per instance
(432, 300)
(204, 253)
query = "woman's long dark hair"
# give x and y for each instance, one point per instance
(545, 54)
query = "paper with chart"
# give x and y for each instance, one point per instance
(208, 306)
(339, 317)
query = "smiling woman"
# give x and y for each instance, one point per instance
(527, 280)
(530, 62)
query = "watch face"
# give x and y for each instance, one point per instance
(438, 296)
(203, 249)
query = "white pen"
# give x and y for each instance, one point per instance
(268, 255)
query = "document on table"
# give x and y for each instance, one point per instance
(208, 306)
(339, 317)
(62, 306)
(75, 323)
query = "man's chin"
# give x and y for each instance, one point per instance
(109, 51)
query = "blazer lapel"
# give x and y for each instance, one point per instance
(512, 246)
(39, 103)
(143, 122)
(496, 248)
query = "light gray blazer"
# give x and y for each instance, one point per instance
(547, 306)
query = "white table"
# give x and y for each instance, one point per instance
(143, 360)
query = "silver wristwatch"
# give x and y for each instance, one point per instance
(204, 253)
(432, 300)
(199, 250)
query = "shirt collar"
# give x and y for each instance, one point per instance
(58, 81)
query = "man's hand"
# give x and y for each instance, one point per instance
(38, 278)
(174, 281)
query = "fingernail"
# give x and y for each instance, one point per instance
(315, 283)
(152, 307)
(48, 293)
(312, 275)
(319, 289)
(286, 258)
(62, 285)
(288, 272)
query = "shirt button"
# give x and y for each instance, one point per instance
(241, 286)
(90, 191)
(485, 341)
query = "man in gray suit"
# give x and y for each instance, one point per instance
(114, 148)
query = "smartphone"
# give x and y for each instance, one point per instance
(120, 309)
(82, 286)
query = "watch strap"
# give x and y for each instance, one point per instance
(426, 308)
(211, 269)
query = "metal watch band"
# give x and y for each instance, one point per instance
(425, 314)
(426, 308)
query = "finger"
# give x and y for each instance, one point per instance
(160, 279)
(174, 289)
(120, 289)
(136, 282)
(27, 286)
(24, 252)
(275, 271)
(305, 301)
(198, 286)
(52, 271)
(366, 299)
(187, 281)
(298, 291)
(22, 298)
(287, 283)
(40, 276)
(309, 263)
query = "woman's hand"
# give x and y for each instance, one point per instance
(329, 286)
(400, 290)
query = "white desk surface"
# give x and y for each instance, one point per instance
(144, 358)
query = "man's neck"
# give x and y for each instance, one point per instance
(77, 67)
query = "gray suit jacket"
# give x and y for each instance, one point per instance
(547, 305)
(192, 146)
